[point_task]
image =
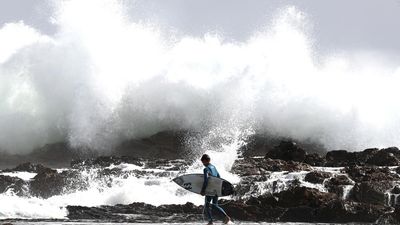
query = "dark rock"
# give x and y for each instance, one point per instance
(303, 196)
(141, 213)
(384, 158)
(263, 200)
(337, 185)
(314, 159)
(389, 217)
(394, 150)
(165, 144)
(342, 158)
(298, 214)
(254, 170)
(371, 173)
(339, 211)
(50, 155)
(372, 157)
(262, 166)
(395, 190)
(106, 161)
(260, 144)
(83, 212)
(17, 185)
(280, 165)
(241, 211)
(370, 192)
(287, 151)
(47, 184)
(28, 167)
(317, 177)
(340, 180)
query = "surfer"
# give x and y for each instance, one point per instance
(210, 170)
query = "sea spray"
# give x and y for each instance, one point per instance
(101, 79)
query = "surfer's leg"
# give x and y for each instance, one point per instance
(208, 208)
(216, 206)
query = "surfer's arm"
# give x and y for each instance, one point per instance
(205, 182)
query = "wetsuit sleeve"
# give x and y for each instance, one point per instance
(205, 182)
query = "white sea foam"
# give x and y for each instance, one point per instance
(102, 78)
(23, 175)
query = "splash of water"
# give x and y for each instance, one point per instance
(101, 79)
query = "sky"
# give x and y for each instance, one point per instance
(339, 24)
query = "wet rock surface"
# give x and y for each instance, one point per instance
(366, 202)
(370, 157)
(317, 177)
(102, 170)
(285, 184)
(138, 212)
(14, 184)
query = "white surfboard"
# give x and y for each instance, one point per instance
(194, 182)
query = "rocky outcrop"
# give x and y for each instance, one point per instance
(372, 183)
(138, 212)
(165, 144)
(14, 184)
(299, 204)
(288, 151)
(317, 177)
(339, 185)
(28, 167)
(106, 161)
(371, 157)
(101, 170)
(260, 166)
(286, 184)
(302, 196)
(392, 217)
(47, 183)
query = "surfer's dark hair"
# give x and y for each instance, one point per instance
(205, 157)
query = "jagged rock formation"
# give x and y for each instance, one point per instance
(286, 184)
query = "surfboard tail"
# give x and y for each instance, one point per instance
(227, 188)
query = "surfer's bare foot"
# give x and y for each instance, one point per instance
(227, 219)
(210, 223)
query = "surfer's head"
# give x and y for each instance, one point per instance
(205, 159)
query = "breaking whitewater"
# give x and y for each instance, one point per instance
(97, 118)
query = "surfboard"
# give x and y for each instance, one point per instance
(194, 182)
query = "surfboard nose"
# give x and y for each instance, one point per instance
(178, 181)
